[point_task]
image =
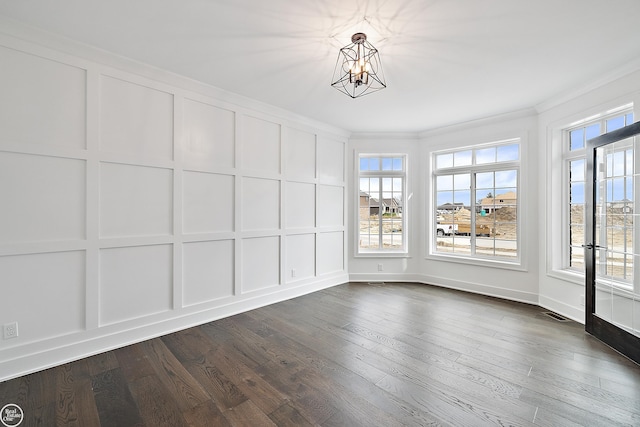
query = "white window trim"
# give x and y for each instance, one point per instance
(381, 253)
(557, 209)
(519, 263)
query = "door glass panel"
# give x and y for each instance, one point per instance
(617, 280)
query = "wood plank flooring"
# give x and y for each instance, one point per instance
(351, 355)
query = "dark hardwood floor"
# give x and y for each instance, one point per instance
(352, 355)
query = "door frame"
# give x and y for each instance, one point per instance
(623, 341)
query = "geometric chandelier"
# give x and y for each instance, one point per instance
(358, 69)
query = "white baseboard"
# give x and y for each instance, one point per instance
(35, 357)
(573, 313)
(478, 288)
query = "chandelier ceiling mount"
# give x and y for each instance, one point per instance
(358, 70)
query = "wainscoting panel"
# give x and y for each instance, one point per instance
(300, 154)
(208, 201)
(300, 205)
(135, 282)
(330, 206)
(136, 202)
(33, 90)
(260, 263)
(53, 287)
(301, 258)
(330, 252)
(43, 198)
(208, 271)
(135, 120)
(261, 145)
(209, 136)
(260, 204)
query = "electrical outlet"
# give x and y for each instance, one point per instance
(293, 272)
(10, 330)
(380, 267)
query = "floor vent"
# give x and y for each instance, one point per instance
(556, 316)
(376, 283)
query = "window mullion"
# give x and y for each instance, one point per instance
(380, 214)
(472, 219)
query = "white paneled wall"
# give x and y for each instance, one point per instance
(134, 206)
(38, 88)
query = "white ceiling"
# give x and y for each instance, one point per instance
(445, 61)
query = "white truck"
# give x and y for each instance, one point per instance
(446, 229)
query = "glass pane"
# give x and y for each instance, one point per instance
(391, 213)
(576, 256)
(508, 153)
(397, 186)
(629, 119)
(506, 231)
(577, 235)
(577, 214)
(577, 169)
(615, 123)
(576, 192)
(507, 178)
(397, 164)
(444, 182)
(374, 164)
(445, 200)
(453, 220)
(485, 180)
(506, 196)
(506, 248)
(485, 246)
(577, 139)
(369, 208)
(618, 189)
(444, 161)
(462, 158)
(485, 201)
(618, 163)
(592, 131)
(462, 199)
(462, 181)
(387, 164)
(486, 155)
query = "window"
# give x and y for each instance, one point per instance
(574, 140)
(476, 202)
(381, 202)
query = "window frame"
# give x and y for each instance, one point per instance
(515, 263)
(568, 155)
(557, 208)
(381, 252)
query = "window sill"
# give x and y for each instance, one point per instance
(572, 276)
(481, 262)
(382, 255)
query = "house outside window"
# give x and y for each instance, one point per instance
(381, 201)
(475, 202)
